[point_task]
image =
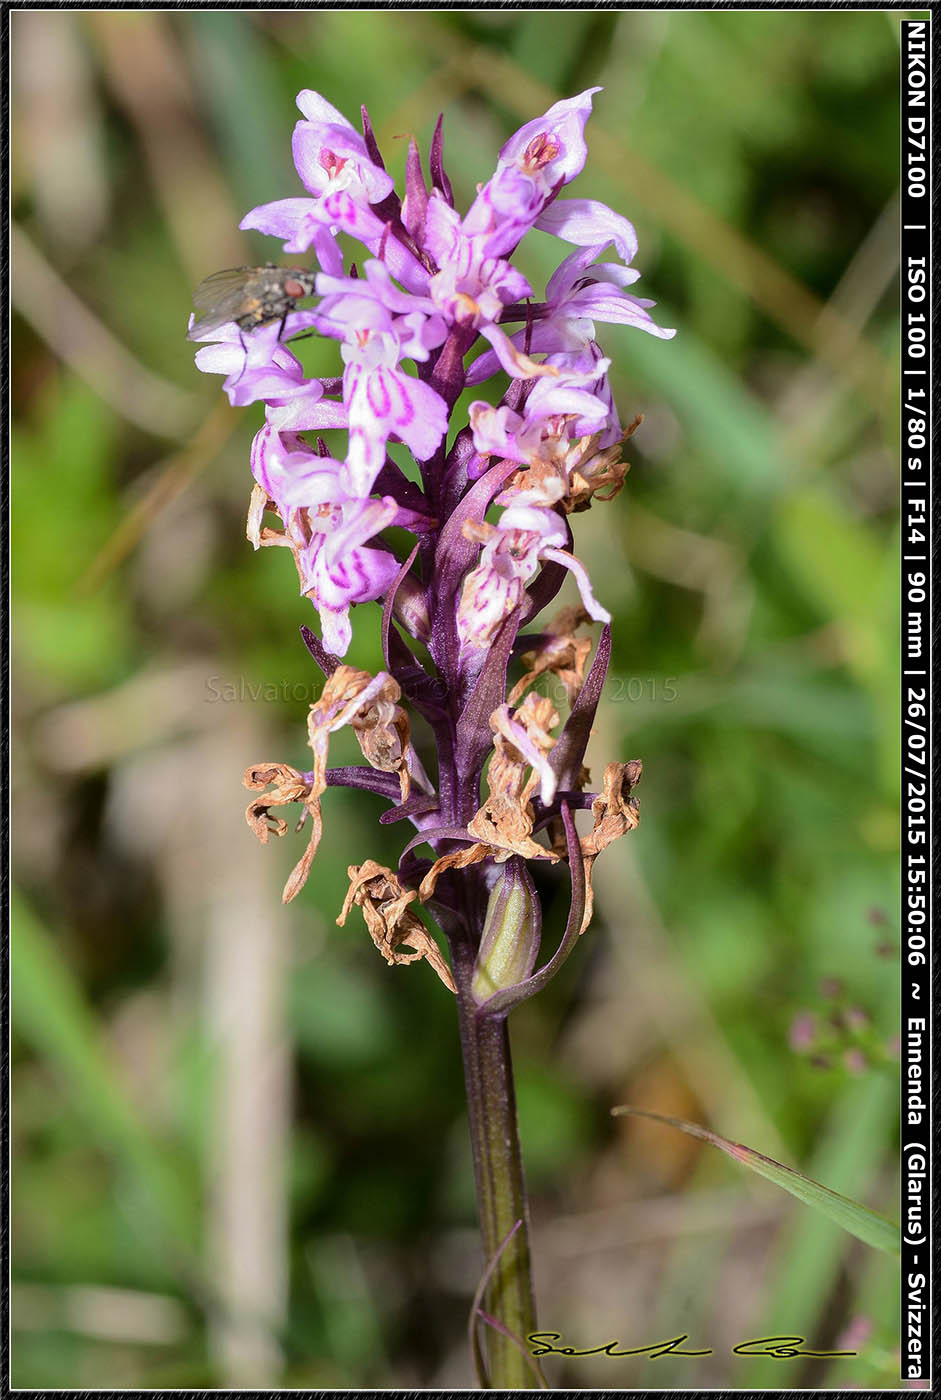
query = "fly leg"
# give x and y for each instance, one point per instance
(245, 357)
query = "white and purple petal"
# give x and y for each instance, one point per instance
(588, 222)
(293, 475)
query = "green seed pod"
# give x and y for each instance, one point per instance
(512, 929)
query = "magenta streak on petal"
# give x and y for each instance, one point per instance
(406, 412)
(378, 396)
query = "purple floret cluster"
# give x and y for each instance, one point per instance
(409, 316)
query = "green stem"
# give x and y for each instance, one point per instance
(501, 1189)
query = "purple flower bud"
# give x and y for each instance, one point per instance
(855, 1334)
(803, 1031)
(855, 1019)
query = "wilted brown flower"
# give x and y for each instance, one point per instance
(596, 471)
(368, 704)
(560, 653)
(289, 786)
(384, 902)
(256, 531)
(502, 826)
(615, 811)
(572, 471)
(382, 729)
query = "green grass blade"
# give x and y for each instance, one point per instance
(49, 1012)
(867, 1225)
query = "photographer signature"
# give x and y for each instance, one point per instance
(781, 1348)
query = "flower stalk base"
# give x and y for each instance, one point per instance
(501, 1194)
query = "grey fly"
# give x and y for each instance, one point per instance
(249, 296)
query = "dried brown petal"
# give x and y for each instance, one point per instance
(456, 860)
(257, 505)
(384, 735)
(546, 475)
(368, 704)
(594, 471)
(503, 824)
(289, 786)
(384, 901)
(256, 531)
(506, 832)
(605, 471)
(298, 876)
(573, 470)
(615, 812)
(521, 741)
(561, 653)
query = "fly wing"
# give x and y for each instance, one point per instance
(221, 298)
(226, 288)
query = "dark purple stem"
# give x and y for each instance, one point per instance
(485, 1043)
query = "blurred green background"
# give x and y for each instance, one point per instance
(239, 1156)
